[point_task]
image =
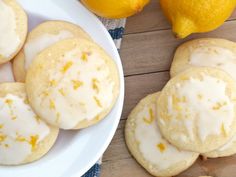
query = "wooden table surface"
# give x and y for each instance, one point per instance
(146, 52)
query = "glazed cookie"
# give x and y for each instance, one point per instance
(227, 150)
(72, 84)
(147, 145)
(41, 37)
(196, 109)
(6, 73)
(210, 52)
(13, 29)
(23, 136)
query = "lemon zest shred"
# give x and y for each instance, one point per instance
(219, 105)
(97, 101)
(58, 117)
(20, 139)
(45, 93)
(33, 141)
(95, 85)
(9, 102)
(161, 147)
(77, 84)
(37, 118)
(66, 66)
(51, 104)
(2, 137)
(84, 56)
(151, 117)
(199, 96)
(13, 117)
(223, 129)
(62, 92)
(52, 83)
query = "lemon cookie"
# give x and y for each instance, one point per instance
(13, 29)
(196, 109)
(41, 37)
(147, 145)
(72, 84)
(6, 73)
(210, 52)
(227, 150)
(23, 136)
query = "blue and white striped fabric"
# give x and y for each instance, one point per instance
(116, 30)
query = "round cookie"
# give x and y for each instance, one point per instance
(227, 150)
(196, 109)
(6, 73)
(23, 136)
(13, 29)
(209, 52)
(41, 37)
(147, 145)
(72, 84)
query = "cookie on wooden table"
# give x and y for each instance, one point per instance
(73, 84)
(196, 109)
(147, 145)
(6, 73)
(41, 37)
(209, 52)
(24, 137)
(13, 29)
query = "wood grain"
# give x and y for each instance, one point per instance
(153, 51)
(138, 86)
(152, 19)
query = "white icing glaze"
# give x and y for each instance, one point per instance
(9, 38)
(213, 56)
(204, 104)
(20, 127)
(148, 136)
(79, 103)
(6, 73)
(230, 144)
(32, 48)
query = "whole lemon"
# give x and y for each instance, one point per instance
(193, 16)
(115, 8)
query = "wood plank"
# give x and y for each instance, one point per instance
(150, 19)
(153, 51)
(136, 87)
(130, 168)
(117, 150)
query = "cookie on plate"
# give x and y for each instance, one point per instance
(209, 52)
(227, 150)
(23, 136)
(147, 145)
(13, 29)
(73, 84)
(41, 37)
(6, 73)
(196, 109)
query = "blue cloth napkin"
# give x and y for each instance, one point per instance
(116, 30)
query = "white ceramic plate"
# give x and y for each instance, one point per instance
(75, 151)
